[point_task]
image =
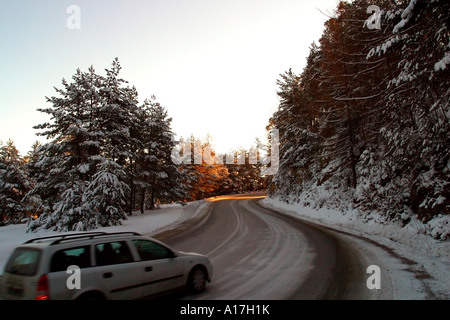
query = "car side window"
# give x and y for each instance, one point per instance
(112, 253)
(149, 250)
(62, 259)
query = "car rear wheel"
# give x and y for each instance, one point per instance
(197, 280)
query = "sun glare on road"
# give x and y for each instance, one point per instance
(235, 197)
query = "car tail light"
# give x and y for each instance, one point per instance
(42, 288)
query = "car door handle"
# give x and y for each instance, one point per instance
(148, 269)
(107, 275)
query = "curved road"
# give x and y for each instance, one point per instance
(260, 254)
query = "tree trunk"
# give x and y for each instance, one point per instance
(352, 148)
(142, 200)
(152, 199)
(131, 207)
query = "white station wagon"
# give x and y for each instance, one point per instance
(122, 265)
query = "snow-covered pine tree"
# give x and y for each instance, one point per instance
(203, 179)
(32, 203)
(415, 117)
(120, 126)
(294, 120)
(104, 197)
(118, 114)
(66, 162)
(90, 124)
(184, 157)
(69, 212)
(159, 176)
(14, 184)
(243, 177)
(351, 87)
(31, 159)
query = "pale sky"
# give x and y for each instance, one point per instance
(213, 64)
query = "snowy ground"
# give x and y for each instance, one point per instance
(431, 257)
(149, 223)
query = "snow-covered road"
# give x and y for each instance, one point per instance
(257, 255)
(260, 254)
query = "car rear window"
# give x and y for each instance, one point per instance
(24, 262)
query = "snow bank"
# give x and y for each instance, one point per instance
(374, 226)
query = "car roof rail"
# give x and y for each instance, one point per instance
(94, 235)
(61, 236)
(134, 233)
(76, 236)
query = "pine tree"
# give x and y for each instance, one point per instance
(200, 171)
(117, 116)
(158, 174)
(14, 184)
(91, 117)
(244, 175)
(65, 162)
(105, 196)
(294, 120)
(415, 130)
